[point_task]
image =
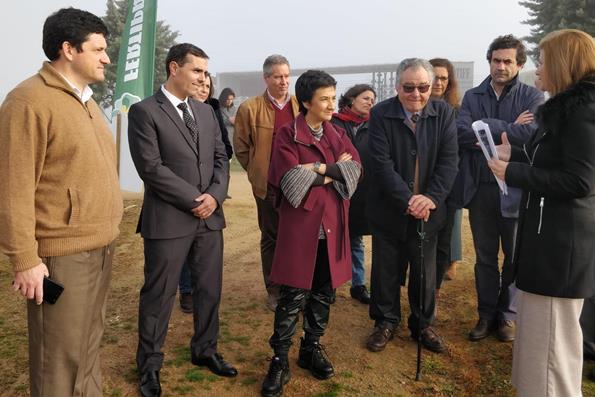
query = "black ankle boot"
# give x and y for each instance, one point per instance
(313, 357)
(276, 378)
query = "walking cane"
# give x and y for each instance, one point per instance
(422, 236)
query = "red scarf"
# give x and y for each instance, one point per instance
(346, 114)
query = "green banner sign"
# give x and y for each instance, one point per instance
(136, 61)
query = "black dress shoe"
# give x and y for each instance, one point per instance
(216, 364)
(186, 304)
(276, 378)
(313, 357)
(360, 292)
(149, 384)
(481, 330)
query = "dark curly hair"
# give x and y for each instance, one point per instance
(505, 42)
(307, 84)
(347, 98)
(71, 25)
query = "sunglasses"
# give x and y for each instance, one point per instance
(422, 88)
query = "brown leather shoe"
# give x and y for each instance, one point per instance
(379, 338)
(506, 330)
(186, 304)
(431, 340)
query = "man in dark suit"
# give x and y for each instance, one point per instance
(177, 149)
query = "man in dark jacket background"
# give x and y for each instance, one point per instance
(505, 104)
(413, 156)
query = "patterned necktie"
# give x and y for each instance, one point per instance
(414, 120)
(190, 123)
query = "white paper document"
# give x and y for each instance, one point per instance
(484, 137)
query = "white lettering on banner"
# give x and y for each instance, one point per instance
(134, 42)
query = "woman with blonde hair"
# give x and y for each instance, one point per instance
(555, 254)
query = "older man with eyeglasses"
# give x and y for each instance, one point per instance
(413, 146)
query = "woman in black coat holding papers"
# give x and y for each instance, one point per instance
(555, 254)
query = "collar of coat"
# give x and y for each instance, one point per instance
(486, 88)
(303, 135)
(396, 111)
(293, 101)
(54, 79)
(563, 105)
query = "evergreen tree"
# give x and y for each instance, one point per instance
(549, 15)
(115, 19)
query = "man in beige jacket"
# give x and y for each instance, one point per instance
(62, 204)
(257, 121)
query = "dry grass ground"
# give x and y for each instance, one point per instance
(467, 369)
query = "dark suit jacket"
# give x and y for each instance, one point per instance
(393, 151)
(173, 171)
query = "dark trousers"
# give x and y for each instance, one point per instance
(316, 308)
(388, 257)
(268, 223)
(185, 284)
(443, 258)
(495, 295)
(203, 252)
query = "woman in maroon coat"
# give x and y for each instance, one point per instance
(314, 169)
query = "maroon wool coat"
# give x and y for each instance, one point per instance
(297, 236)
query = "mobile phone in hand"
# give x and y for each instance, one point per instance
(51, 290)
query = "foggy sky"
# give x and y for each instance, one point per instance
(238, 35)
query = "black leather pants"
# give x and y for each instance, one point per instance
(316, 308)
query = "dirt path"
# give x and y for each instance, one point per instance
(467, 369)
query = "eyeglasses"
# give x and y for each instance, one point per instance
(422, 88)
(441, 78)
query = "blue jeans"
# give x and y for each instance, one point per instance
(358, 271)
(185, 283)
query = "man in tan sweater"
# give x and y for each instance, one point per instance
(257, 121)
(62, 204)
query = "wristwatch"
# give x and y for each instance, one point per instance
(317, 166)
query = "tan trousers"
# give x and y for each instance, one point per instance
(64, 338)
(547, 358)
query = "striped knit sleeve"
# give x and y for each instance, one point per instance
(351, 172)
(295, 184)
